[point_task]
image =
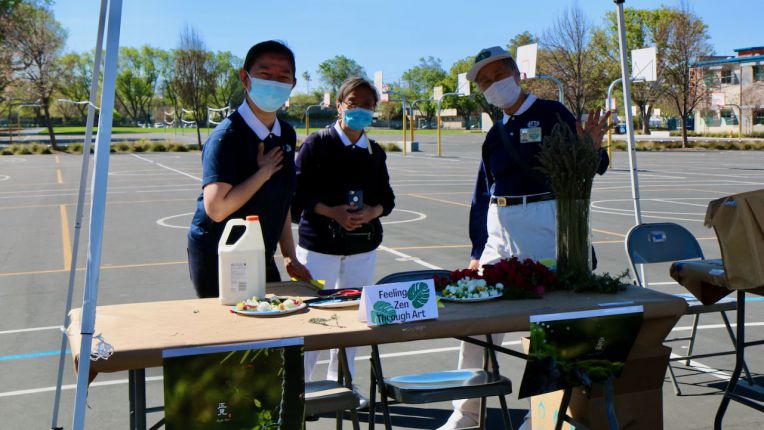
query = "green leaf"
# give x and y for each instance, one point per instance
(382, 313)
(419, 294)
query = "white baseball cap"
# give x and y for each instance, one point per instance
(485, 56)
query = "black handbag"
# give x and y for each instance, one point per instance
(363, 239)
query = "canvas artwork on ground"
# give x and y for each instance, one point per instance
(578, 348)
(252, 389)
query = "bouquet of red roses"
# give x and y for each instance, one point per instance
(515, 279)
(521, 279)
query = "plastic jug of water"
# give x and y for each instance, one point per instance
(241, 265)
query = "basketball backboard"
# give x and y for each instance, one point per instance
(462, 84)
(526, 60)
(644, 64)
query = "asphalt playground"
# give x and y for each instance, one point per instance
(150, 202)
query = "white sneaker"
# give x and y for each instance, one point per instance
(363, 401)
(459, 420)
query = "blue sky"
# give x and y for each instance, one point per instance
(388, 35)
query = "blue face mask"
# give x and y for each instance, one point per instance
(268, 95)
(357, 118)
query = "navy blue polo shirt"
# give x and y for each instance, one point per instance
(500, 175)
(230, 156)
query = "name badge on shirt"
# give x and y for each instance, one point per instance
(530, 134)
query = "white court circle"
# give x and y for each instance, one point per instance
(165, 222)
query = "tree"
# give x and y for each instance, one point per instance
(465, 106)
(568, 55)
(137, 81)
(420, 81)
(520, 39)
(193, 76)
(687, 40)
(644, 27)
(7, 9)
(35, 40)
(77, 73)
(167, 91)
(306, 77)
(228, 88)
(335, 70)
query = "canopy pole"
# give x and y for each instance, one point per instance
(625, 75)
(626, 81)
(99, 184)
(80, 203)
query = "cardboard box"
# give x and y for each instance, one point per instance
(638, 396)
(738, 220)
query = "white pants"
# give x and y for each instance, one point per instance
(339, 271)
(523, 231)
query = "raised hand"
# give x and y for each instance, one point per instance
(595, 127)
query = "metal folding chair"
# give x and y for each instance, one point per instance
(437, 386)
(670, 242)
(334, 396)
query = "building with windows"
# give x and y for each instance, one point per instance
(735, 88)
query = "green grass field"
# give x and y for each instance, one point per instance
(78, 130)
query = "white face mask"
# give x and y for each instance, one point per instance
(503, 93)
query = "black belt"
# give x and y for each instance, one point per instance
(511, 201)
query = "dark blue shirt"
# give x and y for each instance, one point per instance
(500, 175)
(326, 171)
(230, 156)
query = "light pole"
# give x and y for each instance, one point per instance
(307, 118)
(403, 117)
(560, 91)
(439, 124)
(610, 120)
(413, 116)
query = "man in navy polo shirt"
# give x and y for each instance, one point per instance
(248, 169)
(513, 210)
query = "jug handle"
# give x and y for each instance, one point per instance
(227, 231)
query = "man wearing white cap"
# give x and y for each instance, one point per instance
(513, 211)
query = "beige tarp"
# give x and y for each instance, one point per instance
(739, 224)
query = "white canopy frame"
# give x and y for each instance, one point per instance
(99, 182)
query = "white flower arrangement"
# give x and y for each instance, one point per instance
(271, 304)
(468, 288)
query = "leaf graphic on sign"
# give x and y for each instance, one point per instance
(419, 294)
(382, 313)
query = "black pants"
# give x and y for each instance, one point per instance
(203, 268)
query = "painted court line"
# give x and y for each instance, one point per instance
(66, 242)
(26, 330)
(168, 168)
(103, 266)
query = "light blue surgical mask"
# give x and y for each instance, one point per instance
(268, 95)
(357, 118)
